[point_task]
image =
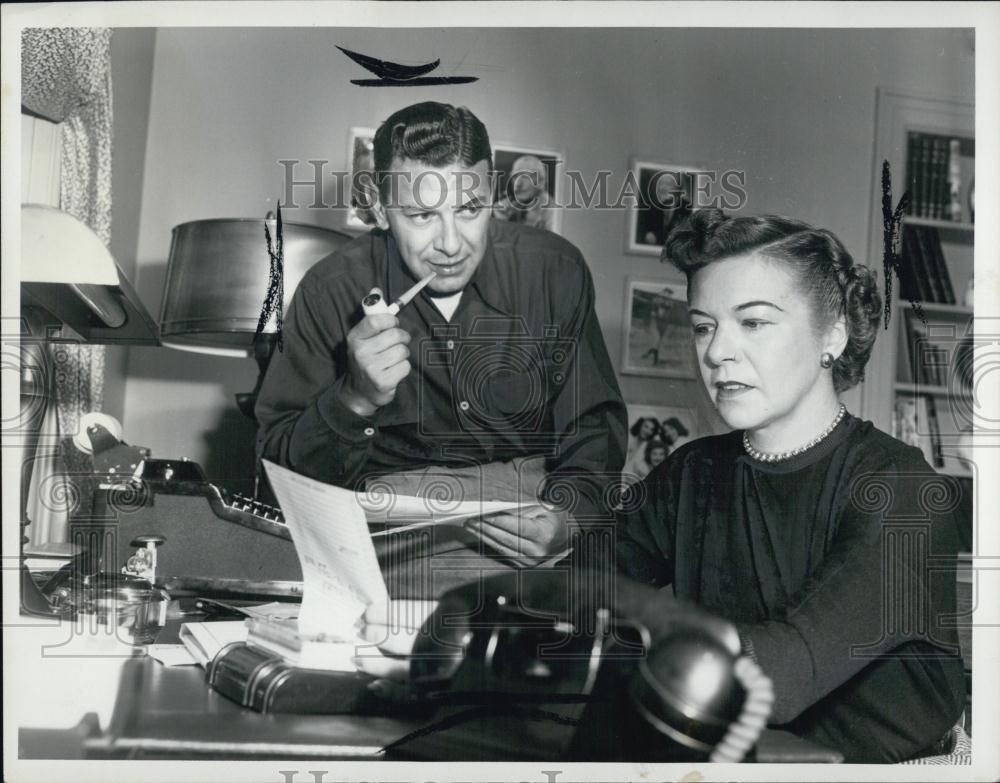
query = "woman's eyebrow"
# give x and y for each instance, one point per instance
(757, 303)
(693, 311)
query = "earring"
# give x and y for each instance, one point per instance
(826, 360)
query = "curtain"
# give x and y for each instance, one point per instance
(66, 77)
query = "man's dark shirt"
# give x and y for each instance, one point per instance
(521, 369)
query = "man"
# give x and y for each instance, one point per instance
(499, 359)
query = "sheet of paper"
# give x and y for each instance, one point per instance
(276, 610)
(394, 509)
(314, 654)
(171, 654)
(204, 640)
(340, 572)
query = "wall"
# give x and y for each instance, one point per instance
(131, 79)
(794, 109)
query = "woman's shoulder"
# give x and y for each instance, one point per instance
(705, 452)
(874, 449)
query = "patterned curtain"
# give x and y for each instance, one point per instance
(66, 77)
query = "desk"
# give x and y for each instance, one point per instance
(135, 708)
(171, 712)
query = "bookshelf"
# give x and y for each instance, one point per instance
(915, 363)
(960, 228)
(922, 368)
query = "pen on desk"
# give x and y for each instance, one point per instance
(375, 302)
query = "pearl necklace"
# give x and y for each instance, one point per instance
(763, 456)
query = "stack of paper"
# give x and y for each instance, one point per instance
(204, 640)
(282, 637)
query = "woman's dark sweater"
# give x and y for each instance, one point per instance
(838, 566)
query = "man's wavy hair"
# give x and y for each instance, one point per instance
(826, 273)
(435, 134)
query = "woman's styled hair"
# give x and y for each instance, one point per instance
(637, 427)
(826, 273)
(432, 133)
(674, 422)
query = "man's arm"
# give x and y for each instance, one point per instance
(645, 533)
(304, 423)
(588, 414)
(586, 418)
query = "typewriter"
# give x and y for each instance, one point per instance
(205, 540)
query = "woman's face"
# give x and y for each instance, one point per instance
(646, 430)
(757, 348)
(657, 455)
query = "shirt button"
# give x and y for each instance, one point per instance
(463, 405)
(369, 431)
(450, 345)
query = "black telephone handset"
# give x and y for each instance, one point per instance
(533, 665)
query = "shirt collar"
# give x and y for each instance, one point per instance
(489, 280)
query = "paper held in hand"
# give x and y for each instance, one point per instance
(340, 572)
(408, 511)
(341, 575)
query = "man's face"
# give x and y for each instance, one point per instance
(440, 217)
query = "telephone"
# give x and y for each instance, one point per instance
(528, 666)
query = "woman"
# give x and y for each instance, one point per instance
(527, 199)
(805, 525)
(646, 458)
(645, 429)
(656, 452)
(674, 432)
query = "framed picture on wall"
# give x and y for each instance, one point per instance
(665, 192)
(359, 157)
(656, 333)
(653, 432)
(527, 184)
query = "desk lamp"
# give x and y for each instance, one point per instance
(218, 277)
(71, 291)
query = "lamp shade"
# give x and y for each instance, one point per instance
(67, 271)
(218, 276)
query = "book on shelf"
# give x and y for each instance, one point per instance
(933, 172)
(911, 422)
(914, 280)
(926, 269)
(914, 339)
(933, 432)
(954, 211)
(939, 364)
(912, 167)
(928, 362)
(923, 174)
(929, 263)
(942, 279)
(931, 175)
